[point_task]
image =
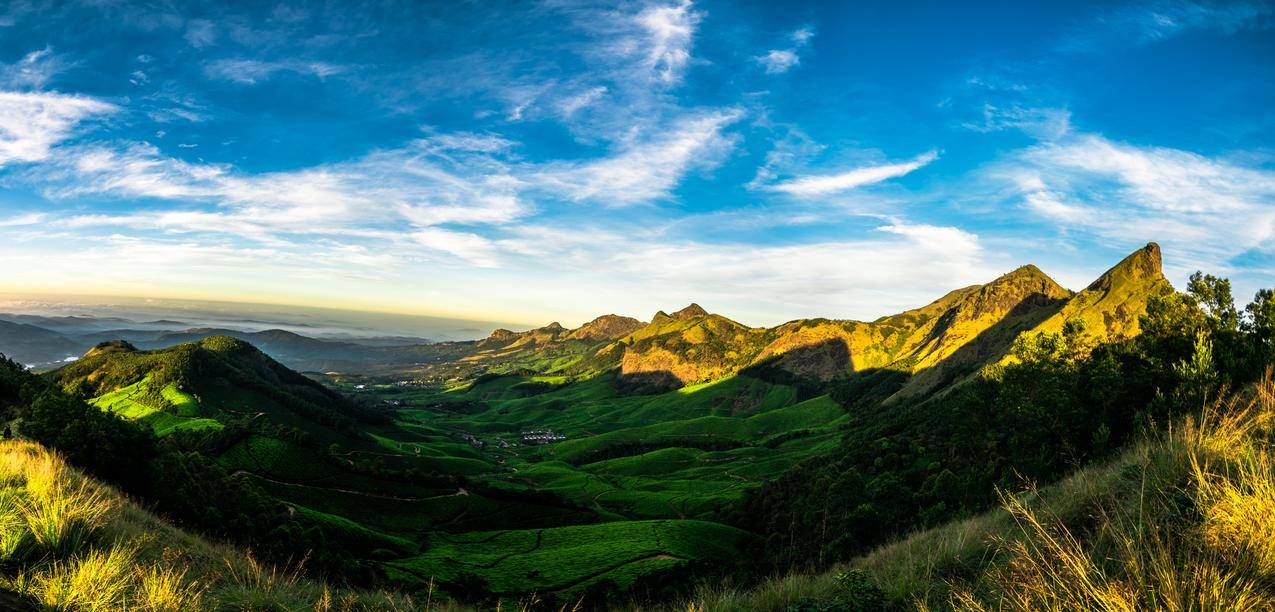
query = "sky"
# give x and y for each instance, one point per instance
(538, 161)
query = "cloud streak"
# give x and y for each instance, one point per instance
(31, 123)
(826, 184)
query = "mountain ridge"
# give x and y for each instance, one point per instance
(959, 332)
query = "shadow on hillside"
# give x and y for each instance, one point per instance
(990, 345)
(646, 383)
(809, 368)
(826, 365)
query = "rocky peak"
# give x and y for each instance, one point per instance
(1141, 265)
(606, 327)
(1024, 288)
(690, 312)
(111, 346)
(502, 334)
(660, 317)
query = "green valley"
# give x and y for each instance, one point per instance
(630, 461)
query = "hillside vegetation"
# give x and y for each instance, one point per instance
(68, 542)
(1179, 521)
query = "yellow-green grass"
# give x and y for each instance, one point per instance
(179, 410)
(72, 543)
(567, 559)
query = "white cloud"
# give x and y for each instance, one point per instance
(779, 61)
(470, 247)
(385, 195)
(899, 266)
(671, 32)
(33, 71)
(1204, 211)
(23, 220)
(32, 123)
(647, 169)
(248, 72)
(572, 104)
(810, 186)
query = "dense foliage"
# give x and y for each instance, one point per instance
(181, 483)
(1061, 401)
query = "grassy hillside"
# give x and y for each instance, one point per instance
(1180, 521)
(205, 384)
(68, 542)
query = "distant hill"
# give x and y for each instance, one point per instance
(34, 345)
(202, 384)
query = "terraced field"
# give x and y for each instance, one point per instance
(566, 560)
(173, 410)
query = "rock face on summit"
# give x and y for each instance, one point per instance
(1110, 305)
(605, 327)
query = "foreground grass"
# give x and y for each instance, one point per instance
(68, 542)
(1185, 521)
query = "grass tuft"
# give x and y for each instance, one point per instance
(97, 580)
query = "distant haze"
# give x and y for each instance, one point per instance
(314, 322)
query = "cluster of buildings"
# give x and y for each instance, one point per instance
(541, 436)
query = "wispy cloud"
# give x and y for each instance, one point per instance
(31, 123)
(1204, 210)
(1157, 20)
(1040, 123)
(671, 32)
(33, 71)
(819, 185)
(647, 168)
(779, 61)
(200, 33)
(249, 71)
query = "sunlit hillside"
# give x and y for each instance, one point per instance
(68, 542)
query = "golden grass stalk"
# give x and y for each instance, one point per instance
(161, 589)
(97, 580)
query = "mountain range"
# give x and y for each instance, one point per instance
(933, 344)
(626, 456)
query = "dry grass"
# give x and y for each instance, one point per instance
(1207, 543)
(71, 543)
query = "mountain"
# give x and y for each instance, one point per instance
(1110, 305)
(605, 327)
(34, 345)
(204, 384)
(930, 346)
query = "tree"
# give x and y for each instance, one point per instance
(1260, 323)
(1213, 294)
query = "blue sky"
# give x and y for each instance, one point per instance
(559, 160)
